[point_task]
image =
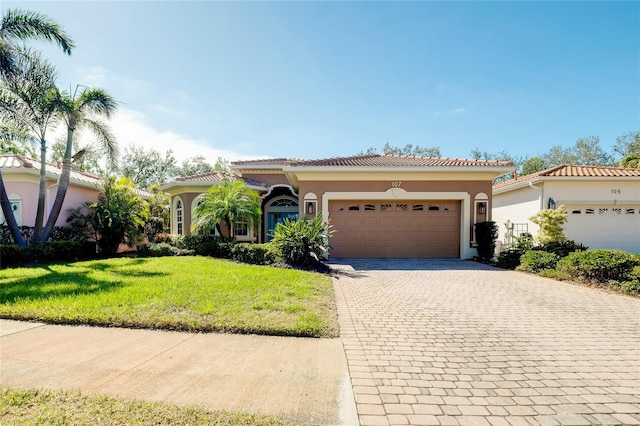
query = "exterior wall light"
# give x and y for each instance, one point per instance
(482, 208)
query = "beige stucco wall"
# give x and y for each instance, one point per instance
(465, 191)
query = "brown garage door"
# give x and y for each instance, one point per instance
(400, 229)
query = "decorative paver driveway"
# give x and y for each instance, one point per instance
(456, 342)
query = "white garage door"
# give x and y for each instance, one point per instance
(605, 227)
(395, 229)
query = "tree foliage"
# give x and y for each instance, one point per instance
(408, 150)
(82, 112)
(18, 26)
(230, 202)
(551, 223)
(117, 217)
(148, 166)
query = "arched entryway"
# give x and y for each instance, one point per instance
(277, 210)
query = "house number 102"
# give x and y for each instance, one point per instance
(396, 184)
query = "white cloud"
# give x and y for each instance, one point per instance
(458, 110)
(130, 126)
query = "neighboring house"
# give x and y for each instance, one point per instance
(603, 204)
(379, 205)
(21, 176)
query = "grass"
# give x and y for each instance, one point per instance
(39, 407)
(175, 293)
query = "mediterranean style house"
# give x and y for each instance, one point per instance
(603, 204)
(381, 206)
(21, 176)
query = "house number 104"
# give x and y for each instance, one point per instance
(396, 184)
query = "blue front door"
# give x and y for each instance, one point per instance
(273, 218)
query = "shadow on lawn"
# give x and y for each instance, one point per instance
(76, 282)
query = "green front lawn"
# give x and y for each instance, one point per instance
(176, 293)
(39, 407)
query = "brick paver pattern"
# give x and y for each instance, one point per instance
(457, 342)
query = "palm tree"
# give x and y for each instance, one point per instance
(78, 113)
(16, 26)
(231, 202)
(28, 100)
(19, 25)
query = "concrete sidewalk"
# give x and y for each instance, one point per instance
(300, 380)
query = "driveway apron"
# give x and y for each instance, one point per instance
(448, 342)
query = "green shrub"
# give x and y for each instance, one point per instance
(600, 265)
(256, 254)
(205, 245)
(302, 242)
(486, 236)
(510, 259)
(551, 223)
(555, 274)
(561, 248)
(11, 254)
(161, 250)
(536, 260)
(51, 250)
(153, 227)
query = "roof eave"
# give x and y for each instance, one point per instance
(500, 170)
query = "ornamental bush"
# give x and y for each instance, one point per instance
(302, 242)
(551, 223)
(255, 254)
(600, 265)
(161, 250)
(562, 248)
(510, 258)
(536, 261)
(486, 236)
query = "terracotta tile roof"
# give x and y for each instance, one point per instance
(207, 177)
(384, 160)
(570, 170)
(217, 177)
(8, 162)
(268, 162)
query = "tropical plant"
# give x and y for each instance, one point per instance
(18, 26)
(301, 242)
(21, 25)
(231, 202)
(117, 217)
(28, 99)
(82, 112)
(551, 223)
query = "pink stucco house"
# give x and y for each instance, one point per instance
(21, 177)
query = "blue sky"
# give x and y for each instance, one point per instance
(322, 79)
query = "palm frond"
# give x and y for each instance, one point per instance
(97, 101)
(21, 25)
(105, 137)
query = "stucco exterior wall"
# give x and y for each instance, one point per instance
(613, 221)
(517, 207)
(28, 192)
(465, 191)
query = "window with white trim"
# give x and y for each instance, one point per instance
(179, 218)
(241, 229)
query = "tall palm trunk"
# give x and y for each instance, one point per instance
(41, 192)
(63, 185)
(8, 215)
